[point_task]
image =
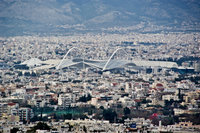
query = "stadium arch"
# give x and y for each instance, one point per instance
(58, 67)
(104, 68)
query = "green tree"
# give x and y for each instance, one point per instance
(84, 129)
(101, 107)
(14, 130)
(127, 111)
(167, 121)
(85, 98)
(67, 116)
(110, 115)
(41, 126)
(27, 74)
(20, 74)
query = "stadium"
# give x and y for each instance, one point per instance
(103, 65)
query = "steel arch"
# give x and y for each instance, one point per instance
(58, 67)
(104, 68)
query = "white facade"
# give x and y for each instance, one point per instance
(66, 100)
(170, 97)
(178, 111)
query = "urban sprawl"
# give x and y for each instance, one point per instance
(100, 83)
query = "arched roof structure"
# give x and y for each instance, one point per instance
(106, 64)
(104, 68)
(58, 67)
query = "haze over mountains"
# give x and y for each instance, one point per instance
(21, 17)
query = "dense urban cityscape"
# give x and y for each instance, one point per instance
(99, 66)
(100, 83)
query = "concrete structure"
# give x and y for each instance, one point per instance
(25, 114)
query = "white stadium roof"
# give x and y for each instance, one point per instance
(32, 62)
(166, 64)
(114, 63)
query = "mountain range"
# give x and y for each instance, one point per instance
(21, 17)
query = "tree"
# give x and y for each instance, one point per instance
(67, 116)
(33, 74)
(101, 107)
(167, 121)
(27, 74)
(155, 121)
(127, 111)
(20, 74)
(85, 98)
(183, 107)
(145, 101)
(14, 130)
(41, 126)
(53, 102)
(84, 129)
(109, 115)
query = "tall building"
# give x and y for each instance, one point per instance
(25, 114)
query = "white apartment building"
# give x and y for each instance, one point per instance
(66, 100)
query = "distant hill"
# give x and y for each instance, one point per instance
(20, 17)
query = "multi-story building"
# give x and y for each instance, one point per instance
(66, 100)
(3, 108)
(25, 114)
